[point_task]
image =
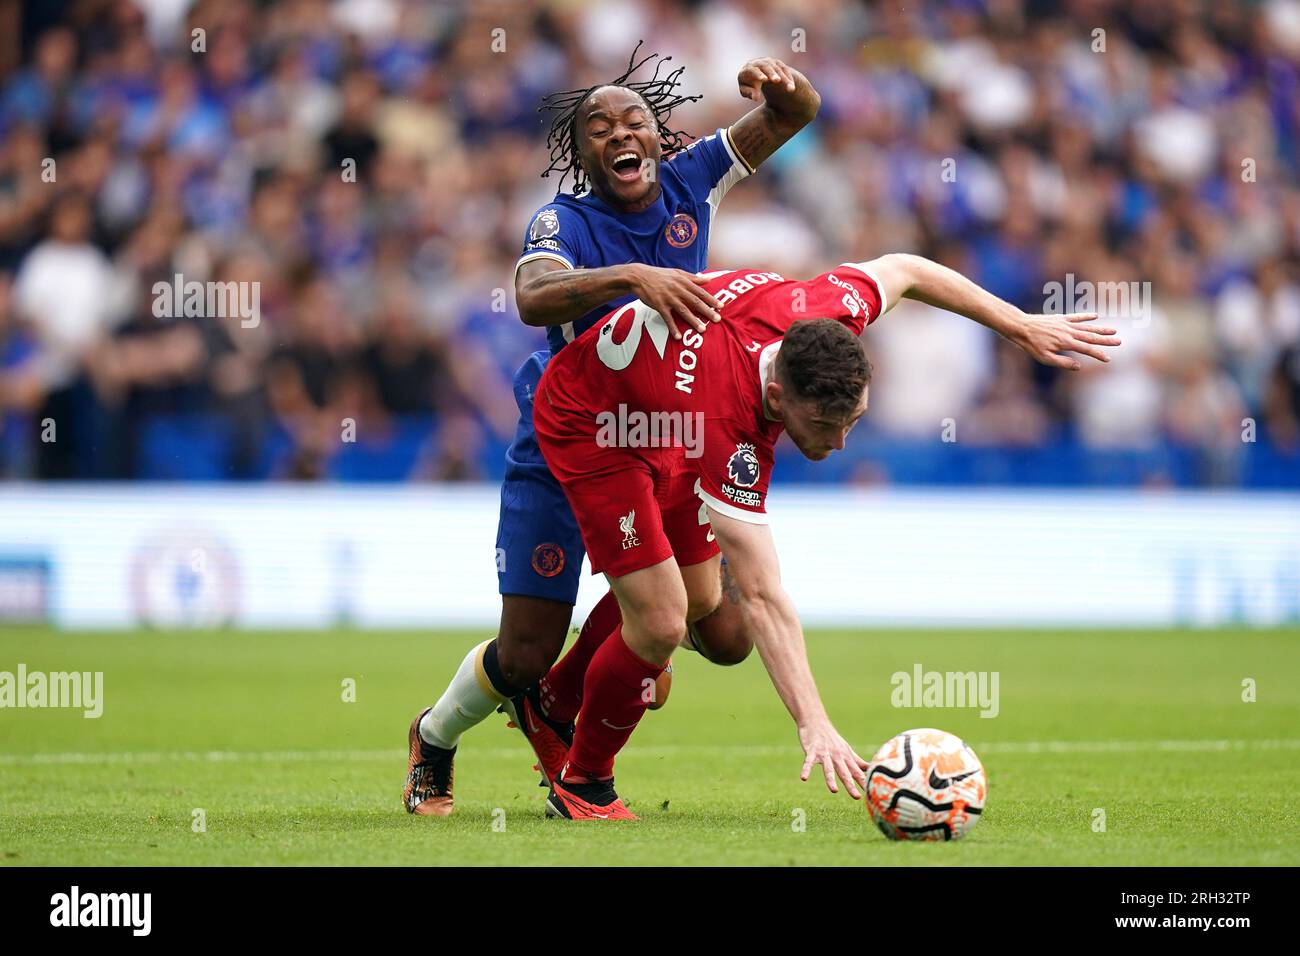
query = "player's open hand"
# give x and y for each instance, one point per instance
(678, 296)
(823, 745)
(1045, 337)
(765, 70)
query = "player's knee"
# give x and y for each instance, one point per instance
(657, 633)
(732, 651)
(721, 638)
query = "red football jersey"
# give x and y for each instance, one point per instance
(628, 368)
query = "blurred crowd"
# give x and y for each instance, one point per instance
(372, 166)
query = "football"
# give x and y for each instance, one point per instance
(925, 784)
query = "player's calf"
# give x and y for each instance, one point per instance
(624, 670)
(530, 638)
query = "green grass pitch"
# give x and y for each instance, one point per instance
(251, 728)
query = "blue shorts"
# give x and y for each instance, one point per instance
(539, 547)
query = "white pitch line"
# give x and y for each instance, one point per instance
(1130, 746)
(760, 750)
(197, 756)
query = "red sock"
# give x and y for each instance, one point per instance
(561, 688)
(614, 699)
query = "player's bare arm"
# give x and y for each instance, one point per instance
(1045, 337)
(789, 104)
(548, 293)
(771, 618)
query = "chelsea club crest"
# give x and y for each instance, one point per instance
(681, 231)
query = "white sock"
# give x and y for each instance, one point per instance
(468, 699)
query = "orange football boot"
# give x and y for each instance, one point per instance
(429, 772)
(550, 739)
(586, 801)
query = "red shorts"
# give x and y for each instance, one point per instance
(636, 507)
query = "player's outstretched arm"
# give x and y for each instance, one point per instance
(548, 293)
(789, 104)
(1044, 337)
(770, 616)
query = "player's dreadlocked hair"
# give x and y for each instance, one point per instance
(660, 94)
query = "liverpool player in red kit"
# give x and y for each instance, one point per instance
(664, 448)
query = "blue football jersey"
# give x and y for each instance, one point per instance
(583, 232)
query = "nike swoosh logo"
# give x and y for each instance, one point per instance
(531, 725)
(710, 536)
(616, 727)
(938, 783)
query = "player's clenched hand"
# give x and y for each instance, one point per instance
(823, 745)
(1046, 336)
(754, 74)
(677, 295)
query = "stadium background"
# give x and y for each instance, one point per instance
(1112, 544)
(1020, 142)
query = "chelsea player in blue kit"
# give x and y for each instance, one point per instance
(635, 227)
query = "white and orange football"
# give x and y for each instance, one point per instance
(925, 784)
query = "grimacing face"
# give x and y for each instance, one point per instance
(617, 138)
(815, 433)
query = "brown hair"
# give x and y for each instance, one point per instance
(823, 362)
